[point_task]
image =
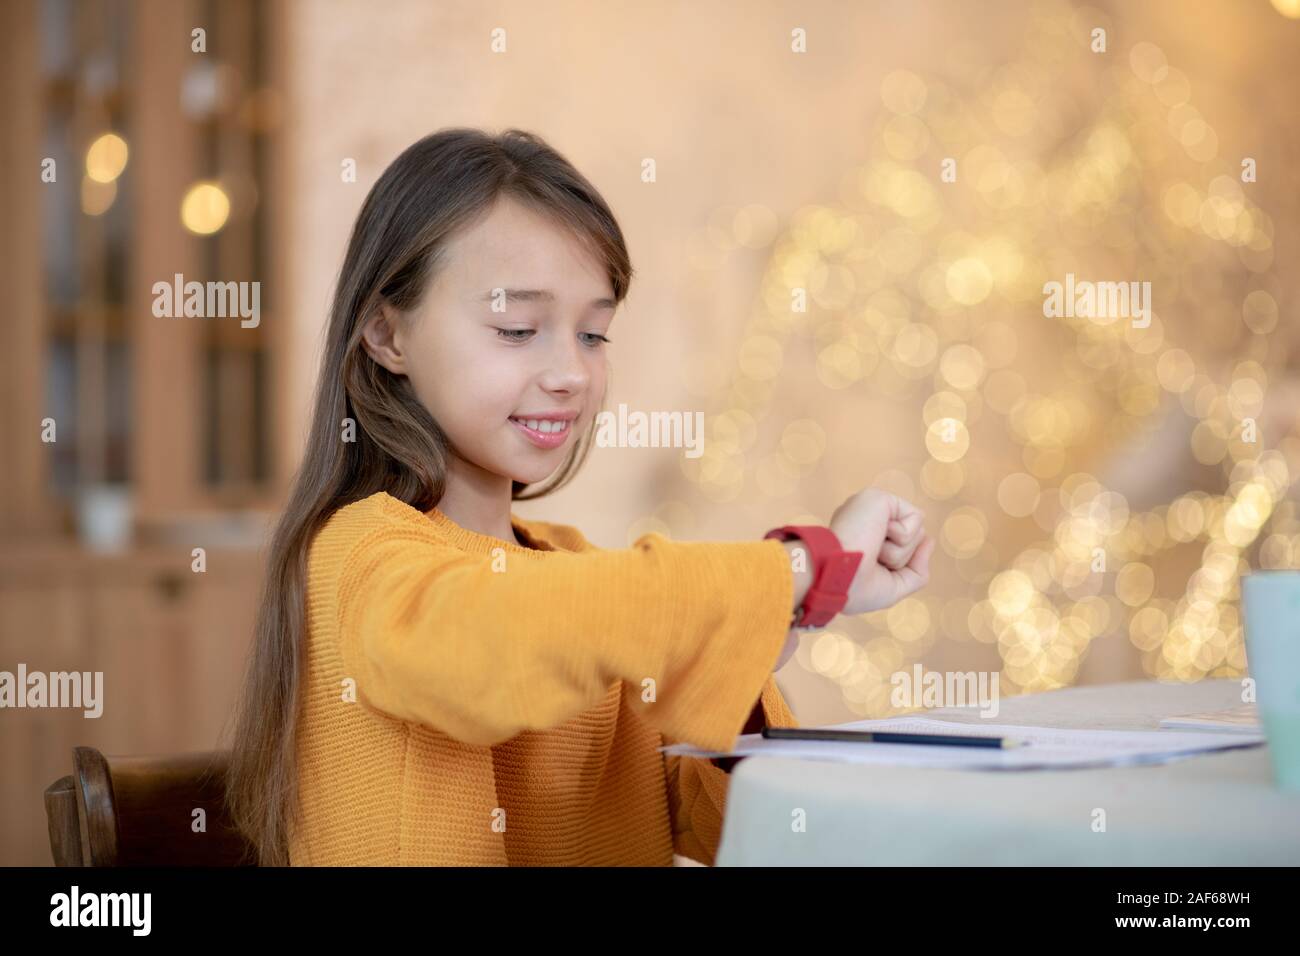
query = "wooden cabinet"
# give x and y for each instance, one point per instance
(177, 418)
(169, 642)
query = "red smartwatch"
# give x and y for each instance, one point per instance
(833, 571)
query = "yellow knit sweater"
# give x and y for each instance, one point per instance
(469, 701)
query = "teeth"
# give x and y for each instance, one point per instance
(540, 425)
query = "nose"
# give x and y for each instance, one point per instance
(567, 368)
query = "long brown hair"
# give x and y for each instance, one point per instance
(436, 187)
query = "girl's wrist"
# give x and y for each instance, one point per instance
(801, 569)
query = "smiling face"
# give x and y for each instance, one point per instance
(478, 371)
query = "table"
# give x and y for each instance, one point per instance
(1217, 809)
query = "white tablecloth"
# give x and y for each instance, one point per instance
(1219, 809)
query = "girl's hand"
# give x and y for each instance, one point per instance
(903, 537)
(895, 548)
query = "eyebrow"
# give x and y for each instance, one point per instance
(540, 295)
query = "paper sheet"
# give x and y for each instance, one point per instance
(1243, 719)
(1045, 747)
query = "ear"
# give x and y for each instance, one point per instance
(380, 339)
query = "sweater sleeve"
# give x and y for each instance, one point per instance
(484, 648)
(697, 788)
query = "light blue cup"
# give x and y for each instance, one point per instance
(1271, 604)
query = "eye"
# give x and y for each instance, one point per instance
(596, 335)
(514, 335)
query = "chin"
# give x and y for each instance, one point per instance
(531, 476)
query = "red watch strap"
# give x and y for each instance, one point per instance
(833, 571)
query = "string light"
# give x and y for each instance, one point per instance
(911, 282)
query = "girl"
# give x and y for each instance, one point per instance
(436, 681)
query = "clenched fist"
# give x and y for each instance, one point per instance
(890, 533)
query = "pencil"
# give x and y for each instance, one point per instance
(888, 737)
